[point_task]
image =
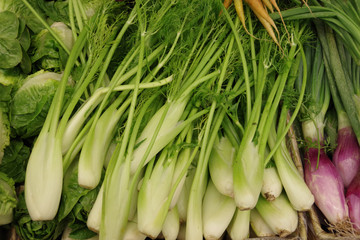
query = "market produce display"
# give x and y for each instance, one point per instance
(179, 119)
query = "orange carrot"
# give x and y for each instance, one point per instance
(259, 10)
(273, 2)
(240, 11)
(227, 3)
(268, 5)
(268, 28)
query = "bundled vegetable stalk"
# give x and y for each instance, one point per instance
(321, 174)
(346, 156)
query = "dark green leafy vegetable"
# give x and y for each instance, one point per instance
(10, 53)
(72, 192)
(4, 132)
(7, 199)
(20, 9)
(8, 80)
(15, 160)
(10, 48)
(80, 231)
(9, 25)
(76, 203)
(34, 230)
(57, 11)
(46, 52)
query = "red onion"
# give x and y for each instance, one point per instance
(326, 185)
(353, 201)
(347, 155)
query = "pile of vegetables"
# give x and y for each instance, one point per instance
(171, 119)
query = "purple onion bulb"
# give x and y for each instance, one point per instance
(347, 155)
(326, 185)
(353, 201)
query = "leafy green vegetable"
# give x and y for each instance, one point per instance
(76, 203)
(34, 230)
(31, 102)
(25, 63)
(7, 199)
(8, 80)
(20, 9)
(4, 132)
(10, 53)
(46, 51)
(9, 25)
(15, 160)
(24, 37)
(4, 5)
(10, 48)
(56, 10)
(72, 192)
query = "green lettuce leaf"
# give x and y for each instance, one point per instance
(57, 11)
(9, 78)
(31, 102)
(76, 203)
(7, 199)
(23, 12)
(46, 53)
(72, 191)
(4, 132)
(15, 160)
(10, 48)
(34, 230)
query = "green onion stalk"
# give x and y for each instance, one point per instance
(346, 156)
(341, 16)
(345, 73)
(321, 175)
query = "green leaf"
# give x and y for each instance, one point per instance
(25, 39)
(4, 4)
(31, 102)
(56, 10)
(44, 46)
(15, 160)
(82, 233)
(10, 53)
(9, 26)
(25, 63)
(9, 78)
(7, 195)
(34, 230)
(4, 132)
(23, 12)
(72, 192)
